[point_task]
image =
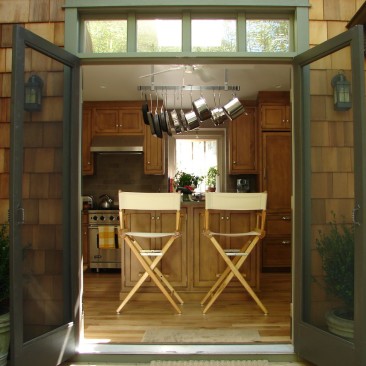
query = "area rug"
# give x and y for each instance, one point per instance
(217, 335)
(211, 363)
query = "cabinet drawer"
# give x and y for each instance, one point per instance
(276, 252)
(279, 224)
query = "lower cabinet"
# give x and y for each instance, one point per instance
(276, 248)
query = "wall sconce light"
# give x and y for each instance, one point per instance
(341, 92)
(33, 94)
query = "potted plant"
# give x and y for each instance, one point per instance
(212, 173)
(4, 294)
(336, 249)
(186, 183)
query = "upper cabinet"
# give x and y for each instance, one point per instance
(154, 154)
(243, 143)
(111, 118)
(274, 110)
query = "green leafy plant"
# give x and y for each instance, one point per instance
(187, 180)
(4, 269)
(336, 249)
(211, 176)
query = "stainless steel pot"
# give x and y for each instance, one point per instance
(105, 202)
(178, 127)
(201, 109)
(234, 108)
(219, 116)
(192, 120)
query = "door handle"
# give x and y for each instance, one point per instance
(354, 212)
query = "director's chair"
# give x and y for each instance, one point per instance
(149, 259)
(234, 258)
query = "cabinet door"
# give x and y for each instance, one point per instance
(243, 143)
(154, 157)
(277, 170)
(275, 116)
(276, 253)
(130, 122)
(174, 263)
(208, 264)
(87, 156)
(105, 121)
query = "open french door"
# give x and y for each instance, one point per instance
(330, 185)
(44, 203)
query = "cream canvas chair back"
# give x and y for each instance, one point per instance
(236, 201)
(149, 201)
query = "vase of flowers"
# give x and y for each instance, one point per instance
(186, 183)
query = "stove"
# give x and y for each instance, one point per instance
(103, 217)
(99, 257)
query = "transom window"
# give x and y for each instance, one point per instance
(178, 33)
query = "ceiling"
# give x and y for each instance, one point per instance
(121, 82)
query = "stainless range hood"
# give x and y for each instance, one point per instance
(117, 144)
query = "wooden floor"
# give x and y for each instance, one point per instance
(103, 325)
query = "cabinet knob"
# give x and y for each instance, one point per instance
(148, 162)
(286, 242)
(286, 218)
(234, 162)
(152, 217)
(157, 217)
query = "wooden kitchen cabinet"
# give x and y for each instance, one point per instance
(275, 116)
(276, 175)
(276, 180)
(154, 154)
(243, 143)
(276, 246)
(114, 118)
(87, 156)
(174, 263)
(208, 264)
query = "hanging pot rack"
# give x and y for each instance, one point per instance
(153, 87)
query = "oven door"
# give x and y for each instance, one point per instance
(103, 258)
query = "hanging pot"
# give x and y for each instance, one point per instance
(201, 109)
(193, 121)
(157, 122)
(178, 127)
(145, 110)
(219, 116)
(234, 108)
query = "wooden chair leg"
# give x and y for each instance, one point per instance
(151, 273)
(234, 271)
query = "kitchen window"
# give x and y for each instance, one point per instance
(196, 152)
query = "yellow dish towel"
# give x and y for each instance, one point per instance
(106, 237)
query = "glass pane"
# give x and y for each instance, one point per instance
(42, 234)
(270, 35)
(159, 35)
(330, 267)
(105, 36)
(213, 35)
